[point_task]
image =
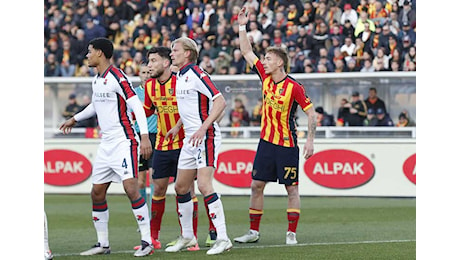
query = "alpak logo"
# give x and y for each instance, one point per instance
(234, 168)
(339, 169)
(66, 167)
(140, 218)
(409, 167)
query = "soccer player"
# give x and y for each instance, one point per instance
(160, 98)
(145, 164)
(277, 156)
(200, 104)
(118, 153)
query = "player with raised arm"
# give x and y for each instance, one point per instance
(118, 153)
(200, 104)
(277, 156)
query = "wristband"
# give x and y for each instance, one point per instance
(242, 28)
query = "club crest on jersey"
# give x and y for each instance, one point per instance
(105, 82)
(280, 91)
(186, 79)
(171, 91)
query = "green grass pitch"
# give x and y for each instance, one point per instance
(329, 228)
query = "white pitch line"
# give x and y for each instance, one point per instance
(275, 246)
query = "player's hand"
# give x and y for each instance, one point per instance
(146, 146)
(66, 127)
(197, 137)
(172, 133)
(308, 149)
(243, 16)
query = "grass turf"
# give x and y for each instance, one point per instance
(329, 228)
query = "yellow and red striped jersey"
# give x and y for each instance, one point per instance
(280, 102)
(162, 98)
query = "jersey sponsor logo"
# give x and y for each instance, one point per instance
(66, 167)
(275, 105)
(339, 169)
(234, 168)
(167, 109)
(409, 167)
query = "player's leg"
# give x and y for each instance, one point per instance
(100, 214)
(288, 164)
(215, 209)
(264, 170)
(141, 214)
(293, 213)
(48, 254)
(157, 208)
(184, 179)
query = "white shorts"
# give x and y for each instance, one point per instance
(115, 162)
(203, 155)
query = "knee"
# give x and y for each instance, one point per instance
(181, 188)
(257, 188)
(205, 188)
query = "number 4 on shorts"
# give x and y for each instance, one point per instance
(124, 164)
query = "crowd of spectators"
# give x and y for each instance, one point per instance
(319, 35)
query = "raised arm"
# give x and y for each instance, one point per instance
(245, 44)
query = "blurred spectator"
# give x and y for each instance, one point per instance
(254, 33)
(142, 38)
(334, 14)
(111, 22)
(406, 45)
(409, 57)
(406, 15)
(363, 17)
(347, 48)
(380, 14)
(256, 115)
(139, 6)
(208, 49)
(336, 43)
(96, 16)
(381, 58)
(384, 37)
(383, 119)
(267, 26)
(367, 66)
(348, 29)
(93, 30)
(396, 58)
(79, 46)
(349, 14)
(52, 68)
(404, 120)
(371, 119)
(374, 102)
(71, 108)
(393, 23)
(357, 110)
(392, 45)
(222, 60)
(343, 113)
(238, 62)
(196, 17)
(139, 25)
(320, 37)
(90, 122)
(239, 111)
(208, 64)
(339, 66)
(323, 118)
(351, 66)
(367, 36)
(68, 60)
(308, 13)
(407, 31)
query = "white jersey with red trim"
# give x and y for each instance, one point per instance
(195, 92)
(111, 90)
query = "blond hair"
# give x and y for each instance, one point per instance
(281, 53)
(188, 45)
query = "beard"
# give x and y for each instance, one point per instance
(156, 74)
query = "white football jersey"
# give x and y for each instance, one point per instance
(195, 92)
(111, 90)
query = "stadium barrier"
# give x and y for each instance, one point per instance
(340, 167)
